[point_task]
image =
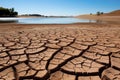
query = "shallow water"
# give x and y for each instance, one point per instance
(43, 20)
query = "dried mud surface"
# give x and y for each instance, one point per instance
(61, 53)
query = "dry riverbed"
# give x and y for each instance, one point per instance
(60, 52)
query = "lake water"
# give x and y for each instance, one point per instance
(46, 20)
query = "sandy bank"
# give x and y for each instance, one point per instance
(6, 27)
(103, 18)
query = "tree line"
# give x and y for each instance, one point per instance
(7, 12)
(98, 13)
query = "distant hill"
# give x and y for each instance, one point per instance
(111, 16)
(113, 13)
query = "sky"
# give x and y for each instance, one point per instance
(61, 7)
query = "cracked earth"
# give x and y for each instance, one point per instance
(60, 54)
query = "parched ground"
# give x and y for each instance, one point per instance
(61, 52)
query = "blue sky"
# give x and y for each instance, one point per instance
(61, 7)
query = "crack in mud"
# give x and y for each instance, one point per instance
(60, 54)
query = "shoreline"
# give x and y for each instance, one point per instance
(6, 27)
(101, 18)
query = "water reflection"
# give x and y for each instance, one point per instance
(43, 20)
(99, 21)
(9, 21)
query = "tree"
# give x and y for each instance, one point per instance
(11, 10)
(101, 13)
(98, 13)
(5, 12)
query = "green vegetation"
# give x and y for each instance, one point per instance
(99, 13)
(5, 12)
